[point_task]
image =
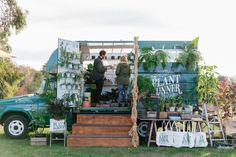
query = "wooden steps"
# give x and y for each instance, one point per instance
(101, 130)
(105, 119)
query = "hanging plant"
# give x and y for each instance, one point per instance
(77, 77)
(161, 58)
(150, 59)
(59, 76)
(147, 59)
(190, 56)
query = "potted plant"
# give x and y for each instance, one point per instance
(171, 102)
(37, 125)
(151, 108)
(57, 109)
(190, 56)
(179, 103)
(162, 112)
(150, 58)
(145, 86)
(88, 75)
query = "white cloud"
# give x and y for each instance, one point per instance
(212, 21)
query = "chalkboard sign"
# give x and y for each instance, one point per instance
(173, 80)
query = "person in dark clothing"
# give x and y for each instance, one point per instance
(122, 79)
(98, 75)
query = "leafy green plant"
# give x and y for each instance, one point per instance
(150, 58)
(162, 104)
(78, 77)
(88, 76)
(57, 109)
(171, 101)
(207, 84)
(179, 101)
(145, 86)
(161, 58)
(38, 123)
(65, 58)
(151, 105)
(225, 98)
(49, 91)
(190, 56)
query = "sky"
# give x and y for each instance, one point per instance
(213, 21)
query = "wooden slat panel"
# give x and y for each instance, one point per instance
(104, 119)
(74, 141)
(100, 129)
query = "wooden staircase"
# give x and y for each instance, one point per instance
(101, 130)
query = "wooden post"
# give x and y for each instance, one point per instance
(133, 131)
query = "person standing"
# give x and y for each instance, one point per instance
(122, 79)
(98, 75)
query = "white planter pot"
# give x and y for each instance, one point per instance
(70, 66)
(63, 86)
(172, 109)
(179, 109)
(72, 75)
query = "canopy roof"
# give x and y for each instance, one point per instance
(87, 47)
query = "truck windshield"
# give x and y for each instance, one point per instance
(41, 88)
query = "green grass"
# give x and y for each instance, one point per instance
(22, 148)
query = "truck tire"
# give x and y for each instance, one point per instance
(16, 126)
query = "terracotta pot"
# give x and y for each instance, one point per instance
(162, 115)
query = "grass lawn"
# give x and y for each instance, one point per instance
(22, 148)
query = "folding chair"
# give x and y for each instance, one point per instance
(58, 127)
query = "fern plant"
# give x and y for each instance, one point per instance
(150, 58)
(161, 58)
(190, 56)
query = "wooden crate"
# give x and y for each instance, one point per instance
(38, 141)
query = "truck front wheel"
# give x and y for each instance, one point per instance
(16, 126)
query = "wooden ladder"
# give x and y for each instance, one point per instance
(214, 124)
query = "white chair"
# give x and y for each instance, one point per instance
(58, 127)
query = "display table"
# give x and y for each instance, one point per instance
(171, 124)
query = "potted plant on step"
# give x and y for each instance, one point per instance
(37, 125)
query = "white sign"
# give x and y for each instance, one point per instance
(167, 84)
(57, 125)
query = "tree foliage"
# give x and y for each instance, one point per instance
(31, 80)
(11, 18)
(226, 98)
(207, 87)
(10, 77)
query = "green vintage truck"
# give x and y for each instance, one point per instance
(17, 113)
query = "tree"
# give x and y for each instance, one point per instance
(10, 77)
(11, 18)
(226, 97)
